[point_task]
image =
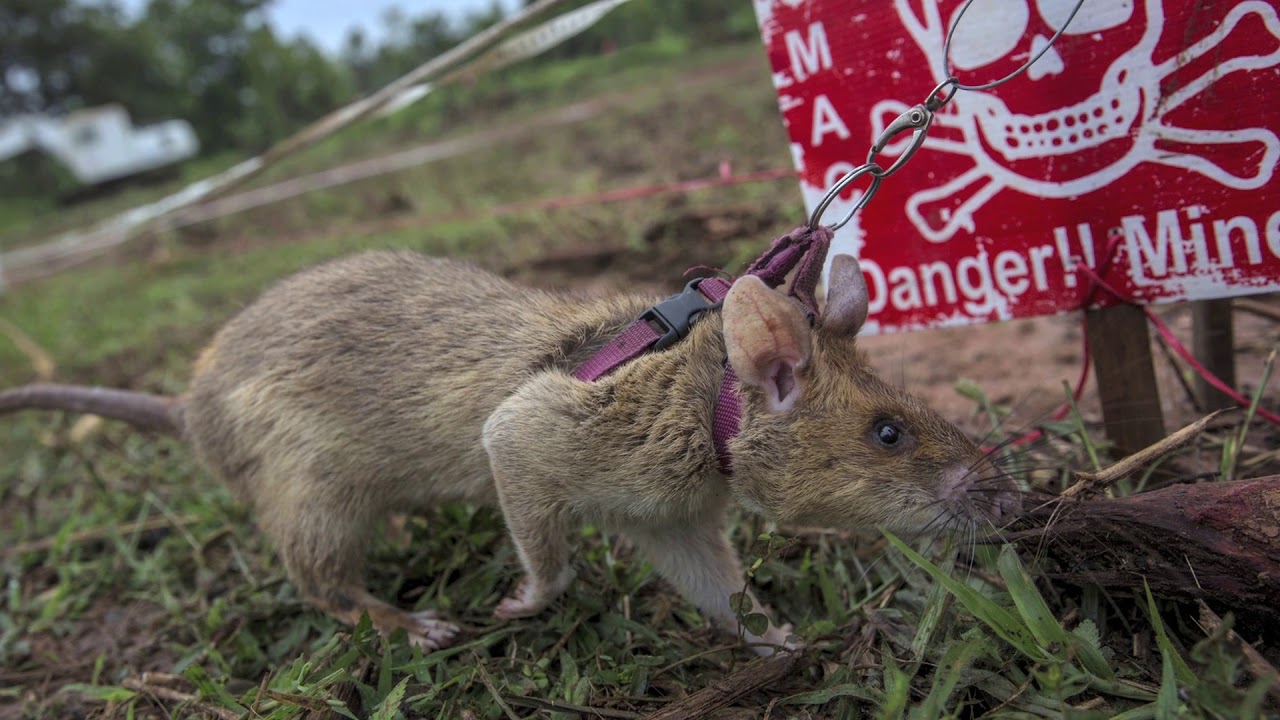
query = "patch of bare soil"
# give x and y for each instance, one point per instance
(659, 263)
(1024, 363)
(122, 633)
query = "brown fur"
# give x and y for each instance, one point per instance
(386, 381)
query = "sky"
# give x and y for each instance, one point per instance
(326, 22)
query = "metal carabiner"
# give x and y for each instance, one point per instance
(877, 174)
(917, 119)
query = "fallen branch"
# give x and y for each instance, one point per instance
(730, 689)
(1214, 541)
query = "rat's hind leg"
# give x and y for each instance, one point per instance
(323, 542)
(423, 628)
(538, 529)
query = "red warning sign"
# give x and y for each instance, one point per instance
(1151, 122)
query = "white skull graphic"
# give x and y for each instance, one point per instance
(1040, 133)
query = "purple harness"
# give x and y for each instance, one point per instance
(803, 249)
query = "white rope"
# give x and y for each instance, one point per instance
(75, 247)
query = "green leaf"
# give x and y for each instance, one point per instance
(389, 708)
(213, 690)
(956, 661)
(831, 600)
(1142, 712)
(826, 695)
(649, 660)
(1167, 700)
(1087, 631)
(934, 610)
(1000, 620)
(971, 390)
(756, 623)
(1039, 618)
(1182, 671)
(897, 689)
(568, 674)
(107, 693)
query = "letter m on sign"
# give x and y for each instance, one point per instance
(809, 55)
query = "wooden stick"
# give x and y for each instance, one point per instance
(1213, 343)
(726, 691)
(41, 361)
(1120, 343)
(1212, 540)
(172, 695)
(493, 691)
(1089, 483)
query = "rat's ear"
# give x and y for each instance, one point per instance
(847, 297)
(768, 340)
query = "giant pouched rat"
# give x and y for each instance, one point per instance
(385, 381)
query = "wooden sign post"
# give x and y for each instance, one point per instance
(1213, 342)
(1146, 122)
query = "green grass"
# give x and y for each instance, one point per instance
(137, 562)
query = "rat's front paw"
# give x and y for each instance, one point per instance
(775, 640)
(525, 601)
(531, 597)
(512, 608)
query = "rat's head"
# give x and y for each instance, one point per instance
(825, 441)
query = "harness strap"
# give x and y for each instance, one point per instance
(727, 420)
(657, 328)
(803, 250)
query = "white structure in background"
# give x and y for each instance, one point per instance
(99, 144)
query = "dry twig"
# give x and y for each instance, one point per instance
(1090, 483)
(146, 686)
(728, 690)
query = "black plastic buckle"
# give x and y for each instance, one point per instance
(676, 314)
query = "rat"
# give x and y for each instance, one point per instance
(389, 380)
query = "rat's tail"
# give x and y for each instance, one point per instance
(142, 410)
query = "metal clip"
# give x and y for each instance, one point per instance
(918, 119)
(877, 174)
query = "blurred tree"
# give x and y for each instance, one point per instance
(215, 63)
(285, 85)
(46, 44)
(220, 66)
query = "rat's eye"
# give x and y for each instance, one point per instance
(887, 433)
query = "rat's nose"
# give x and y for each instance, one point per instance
(1007, 505)
(982, 491)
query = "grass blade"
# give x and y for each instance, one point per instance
(1000, 620)
(1181, 669)
(1040, 620)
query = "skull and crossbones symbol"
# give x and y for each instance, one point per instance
(1042, 134)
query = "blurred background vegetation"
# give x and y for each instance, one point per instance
(222, 67)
